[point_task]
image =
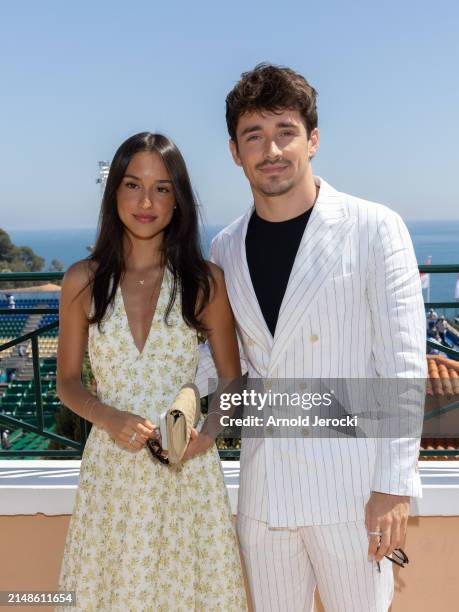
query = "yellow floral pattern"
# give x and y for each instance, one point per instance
(144, 536)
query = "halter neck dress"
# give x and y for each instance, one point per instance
(144, 536)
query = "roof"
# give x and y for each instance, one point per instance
(34, 289)
(443, 376)
(442, 383)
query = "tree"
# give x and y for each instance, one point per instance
(7, 248)
(56, 266)
(32, 262)
(17, 259)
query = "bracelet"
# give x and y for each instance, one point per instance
(85, 404)
(91, 408)
(93, 401)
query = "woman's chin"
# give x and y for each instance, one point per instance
(143, 233)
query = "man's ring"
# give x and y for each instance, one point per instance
(378, 533)
(133, 437)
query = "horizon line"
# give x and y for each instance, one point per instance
(94, 227)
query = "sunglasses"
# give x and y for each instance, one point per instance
(398, 557)
(157, 451)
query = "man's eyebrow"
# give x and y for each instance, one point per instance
(287, 124)
(133, 176)
(250, 128)
(256, 128)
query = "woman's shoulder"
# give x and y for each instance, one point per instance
(84, 269)
(79, 276)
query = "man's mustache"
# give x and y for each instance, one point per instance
(267, 162)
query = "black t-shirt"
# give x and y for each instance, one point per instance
(271, 247)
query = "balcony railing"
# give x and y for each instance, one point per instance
(76, 446)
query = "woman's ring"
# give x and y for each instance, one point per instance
(378, 533)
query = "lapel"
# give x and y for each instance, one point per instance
(320, 249)
(242, 294)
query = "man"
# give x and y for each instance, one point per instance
(322, 285)
(442, 328)
(6, 444)
(432, 318)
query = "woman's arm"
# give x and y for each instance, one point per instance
(73, 338)
(219, 320)
(218, 317)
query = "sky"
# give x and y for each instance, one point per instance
(78, 78)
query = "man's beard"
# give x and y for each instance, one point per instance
(277, 190)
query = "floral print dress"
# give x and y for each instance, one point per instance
(144, 536)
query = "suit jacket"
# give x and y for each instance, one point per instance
(353, 308)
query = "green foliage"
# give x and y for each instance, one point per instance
(56, 266)
(17, 259)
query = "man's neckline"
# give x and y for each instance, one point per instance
(259, 219)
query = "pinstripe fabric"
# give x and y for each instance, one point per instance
(353, 308)
(284, 566)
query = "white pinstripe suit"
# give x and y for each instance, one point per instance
(353, 308)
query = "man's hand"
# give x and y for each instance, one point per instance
(387, 514)
(199, 443)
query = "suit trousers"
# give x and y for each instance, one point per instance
(285, 565)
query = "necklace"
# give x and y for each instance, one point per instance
(142, 282)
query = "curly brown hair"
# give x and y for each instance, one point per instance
(272, 88)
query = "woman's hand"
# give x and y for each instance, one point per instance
(199, 443)
(121, 426)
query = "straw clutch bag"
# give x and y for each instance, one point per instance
(177, 421)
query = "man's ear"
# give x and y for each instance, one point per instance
(235, 152)
(314, 142)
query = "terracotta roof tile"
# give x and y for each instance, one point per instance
(442, 382)
(443, 376)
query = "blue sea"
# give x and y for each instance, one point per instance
(438, 239)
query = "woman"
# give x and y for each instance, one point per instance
(143, 535)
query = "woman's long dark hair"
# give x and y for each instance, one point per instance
(181, 251)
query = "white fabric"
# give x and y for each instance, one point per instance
(284, 566)
(353, 308)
